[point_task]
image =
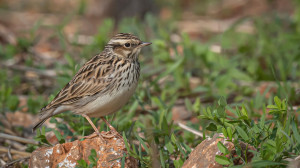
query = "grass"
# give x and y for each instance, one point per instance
(225, 99)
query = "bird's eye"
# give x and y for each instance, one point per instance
(127, 45)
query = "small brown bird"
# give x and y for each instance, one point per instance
(102, 85)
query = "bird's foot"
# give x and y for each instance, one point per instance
(111, 134)
(95, 134)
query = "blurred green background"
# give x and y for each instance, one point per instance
(209, 60)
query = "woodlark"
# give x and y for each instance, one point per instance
(102, 85)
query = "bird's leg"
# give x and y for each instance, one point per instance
(112, 129)
(96, 133)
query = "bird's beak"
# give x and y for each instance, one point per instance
(143, 44)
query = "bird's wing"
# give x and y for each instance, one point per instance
(92, 78)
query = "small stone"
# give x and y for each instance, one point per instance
(203, 156)
(67, 154)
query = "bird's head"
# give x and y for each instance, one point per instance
(126, 45)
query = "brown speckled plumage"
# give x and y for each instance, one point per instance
(103, 84)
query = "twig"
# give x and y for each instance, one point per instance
(18, 160)
(2, 162)
(13, 151)
(200, 134)
(8, 131)
(19, 139)
(9, 153)
(15, 145)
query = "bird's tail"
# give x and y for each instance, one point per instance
(44, 115)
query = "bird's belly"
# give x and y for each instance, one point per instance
(109, 103)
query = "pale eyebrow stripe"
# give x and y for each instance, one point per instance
(123, 41)
(120, 41)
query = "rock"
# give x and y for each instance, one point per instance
(67, 154)
(204, 154)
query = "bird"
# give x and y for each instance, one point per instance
(102, 85)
